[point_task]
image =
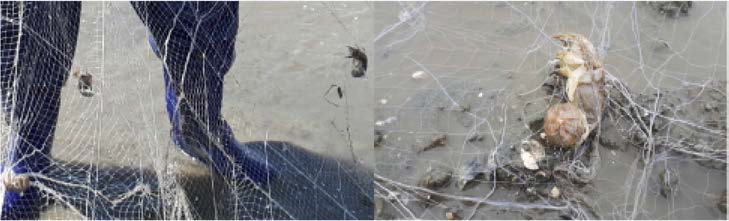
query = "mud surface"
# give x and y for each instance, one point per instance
(479, 73)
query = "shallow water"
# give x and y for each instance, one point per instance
(490, 58)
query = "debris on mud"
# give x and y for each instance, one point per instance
(710, 107)
(697, 137)
(672, 9)
(451, 215)
(340, 94)
(535, 148)
(384, 122)
(542, 177)
(435, 177)
(469, 172)
(463, 108)
(476, 138)
(669, 183)
(601, 111)
(437, 141)
(379, 138)
(581, 170)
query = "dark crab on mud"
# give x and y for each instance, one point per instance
(359, 61)
(85, 80)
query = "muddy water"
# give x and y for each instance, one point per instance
(490, 58)
(288, 56)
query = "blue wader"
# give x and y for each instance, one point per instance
(31, 88)
(199, 52)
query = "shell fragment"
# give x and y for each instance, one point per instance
(529, 161)
(418, 75)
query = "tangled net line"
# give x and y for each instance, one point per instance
(653, 126)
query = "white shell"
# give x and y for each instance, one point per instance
(418, 75)
(389, 120)
(87, 92)
(537, 150)
(554, 193)
(529, 161)
(450, 215)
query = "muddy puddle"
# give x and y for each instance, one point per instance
(461, 90)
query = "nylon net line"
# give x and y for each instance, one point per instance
(127, 118)
(462, 90)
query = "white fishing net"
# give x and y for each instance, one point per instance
(112, 157)
(462, 87)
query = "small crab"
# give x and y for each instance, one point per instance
(359, 61)
(84, 82)
(578, 62)
(580, 46)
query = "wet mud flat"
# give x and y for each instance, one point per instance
(462, 97)
(274, 91)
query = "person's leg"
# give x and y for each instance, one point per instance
(195, 41)
(37, 43)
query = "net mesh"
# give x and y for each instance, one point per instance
(461, 90)
(99, 100)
